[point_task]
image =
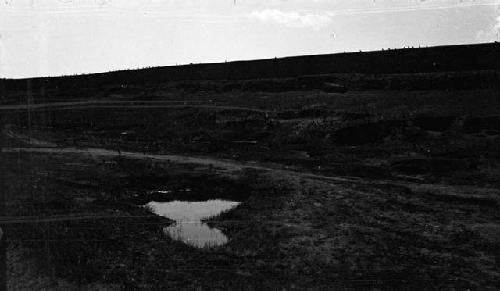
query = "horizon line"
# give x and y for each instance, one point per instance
(238, 61)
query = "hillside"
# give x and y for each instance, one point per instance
(460, 58)
(359, 171)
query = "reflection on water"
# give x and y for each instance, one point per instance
(188, 226)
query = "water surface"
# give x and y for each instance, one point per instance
(188, 216)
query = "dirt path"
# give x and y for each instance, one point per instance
(230, 167)
(26, 139)
(5, 220)
(114, 104)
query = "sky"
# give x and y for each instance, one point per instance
(61, 37)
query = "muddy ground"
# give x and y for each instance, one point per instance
(368, 190)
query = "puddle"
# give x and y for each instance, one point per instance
(160, 192)
(188, 216)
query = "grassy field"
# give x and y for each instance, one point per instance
(393, 185)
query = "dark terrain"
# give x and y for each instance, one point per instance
(361, 171)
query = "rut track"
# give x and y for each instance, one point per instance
(226, 166)
(113, 104)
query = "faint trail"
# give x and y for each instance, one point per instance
(27, 139)
(224, 165)
(4, 220)
(110, 104)
(230, 166)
